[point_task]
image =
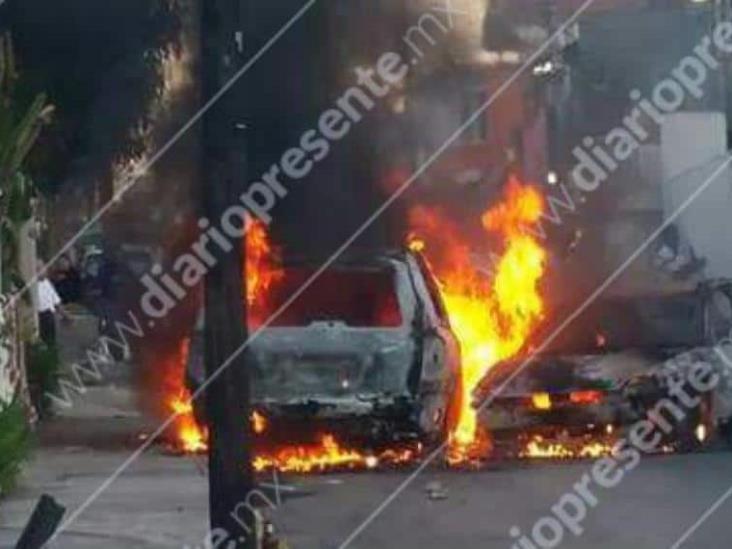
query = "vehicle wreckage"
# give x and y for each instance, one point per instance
(365, 352)
(612, 368)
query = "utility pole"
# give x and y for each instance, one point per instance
(223, 178)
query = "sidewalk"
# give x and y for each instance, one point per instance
(159, 502)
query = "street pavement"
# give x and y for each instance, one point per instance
(161, 500)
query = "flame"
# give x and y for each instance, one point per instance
(416, 244)
(186, 434)
(327, 455)
(262, 270)
(305, 459)
(262, 273)
(491, 314)
(191, 438)
(701, 432)
(259, 422)
(541, 401)
(538, 448)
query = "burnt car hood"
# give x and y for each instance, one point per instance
(610, 371)
(347, 369)
(562, 373)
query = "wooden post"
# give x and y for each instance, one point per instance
(223, 179)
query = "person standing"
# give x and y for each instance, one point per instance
(49, 303)
(67, 281)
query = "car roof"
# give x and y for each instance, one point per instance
(350, 259)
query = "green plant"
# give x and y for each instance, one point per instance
(118, 62)
(19, 131)
(14, 444)
(43, 370)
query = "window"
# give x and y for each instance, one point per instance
(478, 130)
(364, 298)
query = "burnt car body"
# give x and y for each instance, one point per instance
(365, 352)
(614, 366)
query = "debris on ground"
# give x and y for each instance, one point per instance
(436, 491)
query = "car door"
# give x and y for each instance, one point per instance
(441, 386)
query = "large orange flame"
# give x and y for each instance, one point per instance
(188, 436)
(262, 270)
(492, 313)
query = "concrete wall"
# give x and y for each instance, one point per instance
(631, 210)
(694, 156)
(690, 140)
(619, 50)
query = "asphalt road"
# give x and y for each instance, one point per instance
(161, 502)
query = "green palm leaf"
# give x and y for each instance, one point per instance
(19, 131)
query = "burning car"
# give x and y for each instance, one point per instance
(612, 369)
(363, 350)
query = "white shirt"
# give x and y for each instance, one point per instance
(48, 299)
